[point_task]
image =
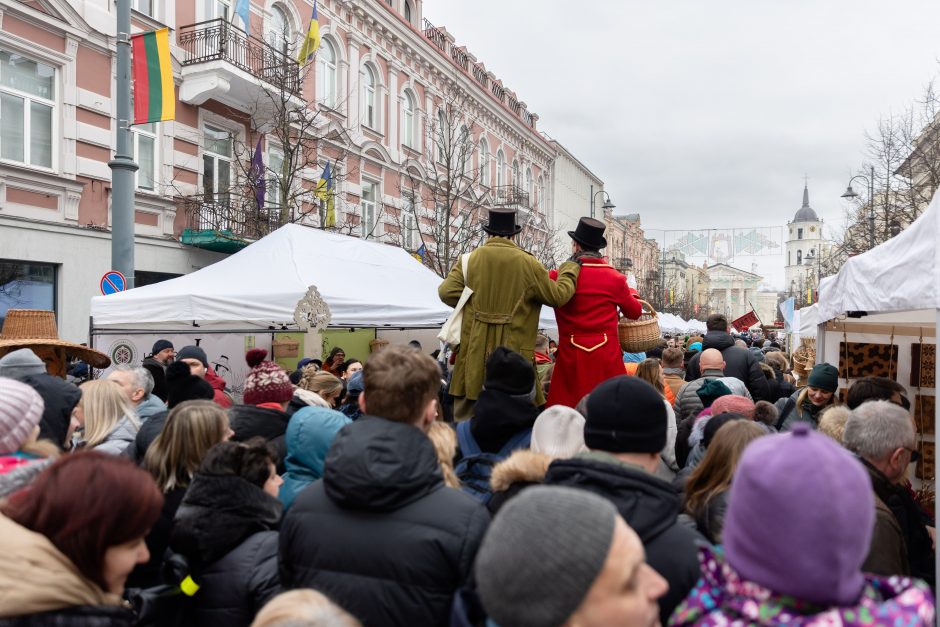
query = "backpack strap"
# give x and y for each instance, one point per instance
(787, 408)
(520, 440)
(468, 445)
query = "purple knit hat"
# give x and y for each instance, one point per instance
(800, 517)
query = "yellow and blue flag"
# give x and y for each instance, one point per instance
(324, 192)
(312, 40)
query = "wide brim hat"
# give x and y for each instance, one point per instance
(589, 233)
(502, 222)
(27, 328)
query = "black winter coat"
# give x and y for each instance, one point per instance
(739, 363)
(145, 437)
(249, 421)
(158, 371)
(225, 528)
(148, 574)
(59, 398)
(380, 534)
(498, 417)
(650, 506)
(82, 616)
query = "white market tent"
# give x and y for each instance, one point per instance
(888, 294)
(365, 284)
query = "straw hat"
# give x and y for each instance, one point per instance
(25, 328)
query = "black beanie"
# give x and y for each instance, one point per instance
(508, 371)
(184, 386)
(193, 352)
(715, 423)
(625, 415)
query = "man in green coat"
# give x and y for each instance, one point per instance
(509, 288)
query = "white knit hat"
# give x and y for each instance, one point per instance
(21, 409)
(559, 432)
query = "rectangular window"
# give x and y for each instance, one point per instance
(27, 92)
(367, 205)
(145, 7)
(411, 238)
(272, 192)
(799, 234)
(145, 152)
(216, 163)
(26, 285)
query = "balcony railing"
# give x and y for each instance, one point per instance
(480, 74)
(460, 57)
(218, 40)
(434, 35)
(623, 263)
(510, 196)
(233, 215)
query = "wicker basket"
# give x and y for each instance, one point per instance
(285, 348)
(642, 334)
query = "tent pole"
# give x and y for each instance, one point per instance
(821, 343)
(936, 503)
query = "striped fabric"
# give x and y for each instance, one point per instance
(154, 99)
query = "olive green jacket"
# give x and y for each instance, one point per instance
(509, 288)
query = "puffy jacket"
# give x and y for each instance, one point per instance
(688, 402)
(739, 363)
(148, 574)
(650, 506)
(121, 437)
(150, 407)
(249, 421)
(309, 435)
(798, 412)
(225, 528)
(380, 534)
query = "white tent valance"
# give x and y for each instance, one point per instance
(365, 284)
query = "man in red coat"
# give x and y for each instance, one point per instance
(588, 344)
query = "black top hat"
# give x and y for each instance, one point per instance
(590, 234)
(502, 222)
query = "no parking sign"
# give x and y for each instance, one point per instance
(113, 282)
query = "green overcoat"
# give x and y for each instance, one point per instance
(509, 288)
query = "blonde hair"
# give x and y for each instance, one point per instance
(104, 405)
(445, 445)
(832, 421)
(306, 607)
(190, 430)
(321, 382)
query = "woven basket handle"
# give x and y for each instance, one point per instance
(653, 311)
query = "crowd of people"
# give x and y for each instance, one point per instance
(696, 483)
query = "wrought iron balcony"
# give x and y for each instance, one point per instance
(510, 196)
(230, 218)
(220, 61)
(623, 263)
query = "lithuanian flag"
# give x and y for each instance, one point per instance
(154, 99)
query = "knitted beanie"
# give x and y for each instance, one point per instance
(711, 390)
(267, 382)
(733, 404)
(508, 371)
(160, 345)
(541, 555)
(824, 377)
(19, 363)
(814, 499)
(625, 415)
(193, 352)
(558, 432)
(21, 409)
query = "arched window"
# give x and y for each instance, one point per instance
(326, 74)
(409, 110)
(528, 184)
(370, 114)
(500, 168)
(464, 150)
(515, 174)
(408, 11)
(279, 34)
(799, 257)
(484, 163)
(540, 192)
(442, 135)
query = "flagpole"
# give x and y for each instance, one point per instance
(123, 165)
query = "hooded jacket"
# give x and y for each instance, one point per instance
(722, 597)
(60, 399)
(40, 586)
(157, 370)
(517, 472)
(739, 363)
(249, 421)
(226, 530)
(309, 435)
(650, 506)
(380, 534)
(499, 416)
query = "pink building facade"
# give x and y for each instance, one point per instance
(376, 89)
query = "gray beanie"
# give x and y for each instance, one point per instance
(542, 554)
(21, 363)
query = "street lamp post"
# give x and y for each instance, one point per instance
(607, 204)
(850, 193)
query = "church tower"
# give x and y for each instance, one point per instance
(805, 243)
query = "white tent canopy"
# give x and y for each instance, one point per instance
(901, 274)
(365, 284)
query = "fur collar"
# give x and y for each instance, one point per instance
(523, 466)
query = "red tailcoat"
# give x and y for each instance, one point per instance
(588, 345)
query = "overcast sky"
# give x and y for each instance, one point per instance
(708, 114)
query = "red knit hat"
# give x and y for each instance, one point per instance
(733, 404)
(267, 382)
